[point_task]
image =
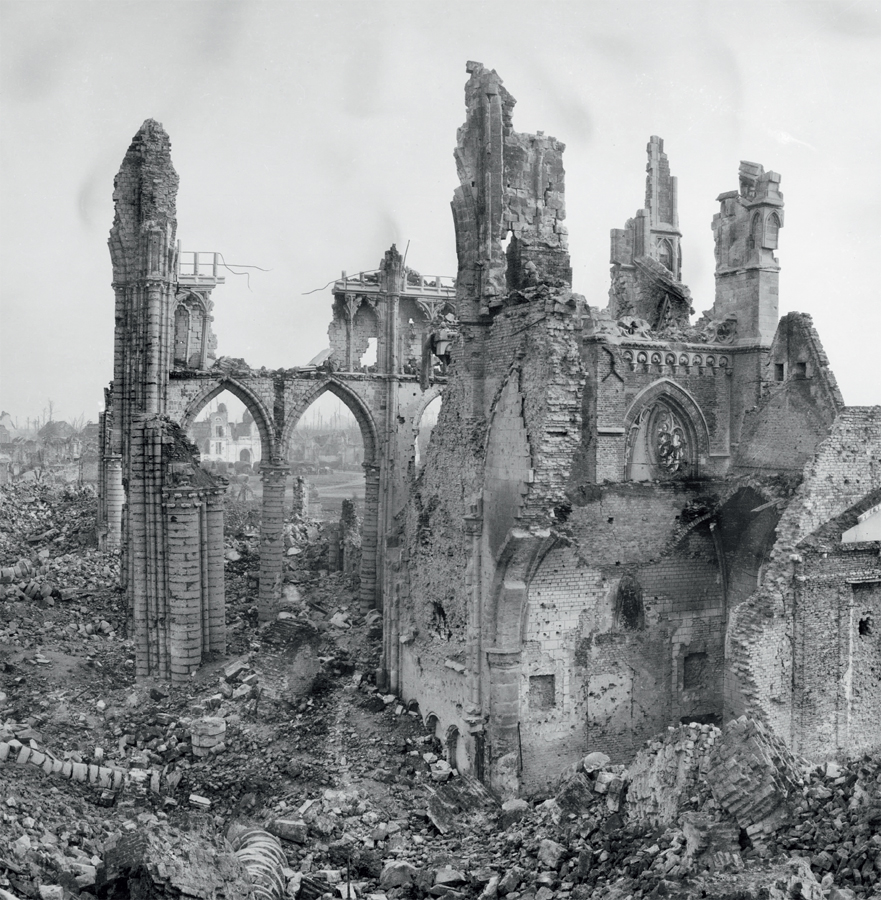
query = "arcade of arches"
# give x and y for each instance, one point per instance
(623, 518)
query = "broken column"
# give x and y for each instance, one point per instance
(274, 477)
(165, 509)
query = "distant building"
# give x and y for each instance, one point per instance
(220, 440)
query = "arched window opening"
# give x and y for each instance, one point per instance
(755, 232)
(181, 335)
(665, 255)
(629, 610)
(772, 229)
(423, 428)
(661, 444)
(326, 451)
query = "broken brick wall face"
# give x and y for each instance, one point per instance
(769, 640)
(627, 625)
(799, 401)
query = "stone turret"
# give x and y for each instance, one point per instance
(746, 231)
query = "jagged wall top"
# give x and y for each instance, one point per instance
(142, 239)
(511, 184)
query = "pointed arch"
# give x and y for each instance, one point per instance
(666, 433)
(356, 406)
(253, 403)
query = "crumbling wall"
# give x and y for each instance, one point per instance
(511, 184)
(765, 649)
(627, 624)
(837, 638)
(800, 400)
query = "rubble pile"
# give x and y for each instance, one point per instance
(283, 771)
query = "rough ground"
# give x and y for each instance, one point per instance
(289, 733)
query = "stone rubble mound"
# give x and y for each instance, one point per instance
(342, 791)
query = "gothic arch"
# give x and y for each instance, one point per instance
(254, 405)
(666, 433)
(428, 397)
(370, 590)
(356, 406)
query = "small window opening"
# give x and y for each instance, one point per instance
(801, 370)
(865, 626)
(629, 614)
(542, 692)
(369, 357)
(779, 372)
(695, 673)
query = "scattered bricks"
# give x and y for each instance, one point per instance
(4, 751)
(242, 692)
(198, 802)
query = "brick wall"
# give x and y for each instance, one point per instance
(762, 668)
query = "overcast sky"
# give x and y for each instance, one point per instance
(311, 136)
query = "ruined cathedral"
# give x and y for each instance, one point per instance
(627, 517)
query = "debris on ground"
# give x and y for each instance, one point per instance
(281, 770)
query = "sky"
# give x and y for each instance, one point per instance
(309, 137)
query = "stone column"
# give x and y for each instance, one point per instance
(504, 702)
(114, 499)
(473, 525)
(215, 573)
(369, 537)
(274, 477)
(185, 577)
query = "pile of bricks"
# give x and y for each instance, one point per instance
(752, 775)
(668, 771)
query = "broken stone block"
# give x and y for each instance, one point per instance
(576, 794)
(512, 811)
(550, 853)
(206, 734)
(398, 874)
(450, 876)
(294, 830)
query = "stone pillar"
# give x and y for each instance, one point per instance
(504, 702)
(473, 525)
(274, 478)
(370, 538)
(215, 573)
(114, 500)
(185, 576)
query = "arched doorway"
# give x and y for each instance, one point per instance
(369, 462)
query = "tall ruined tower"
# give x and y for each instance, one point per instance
(164, 510)
(646, 255)
(511, 189)
(746, 230)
